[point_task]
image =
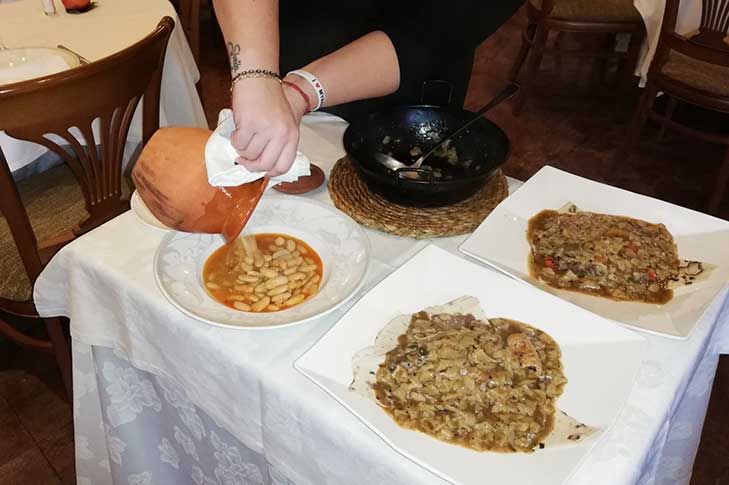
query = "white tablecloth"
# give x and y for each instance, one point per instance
(245, 382)
(689, 18)
(109, 28)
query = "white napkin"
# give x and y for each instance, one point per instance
(220, 159)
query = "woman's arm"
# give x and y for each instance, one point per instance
(365, 68)
(267, 133)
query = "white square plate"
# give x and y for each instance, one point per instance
(500, 241)
(599, 380)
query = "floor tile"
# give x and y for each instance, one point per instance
(44, 414)
(58, 449)
(14, 439)
(28, 468)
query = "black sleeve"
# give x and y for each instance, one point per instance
(429, 34)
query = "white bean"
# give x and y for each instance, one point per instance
(269, 273)
(281, 298)
(278, 290)
(290, 245)
(261, 304)
(279, 241)
(297, 276)
(311, 288)
(295, 300)
(213, 286)
(277, 281)
(239, 305)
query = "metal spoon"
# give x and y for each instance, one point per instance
(81, 58)
(393, 164)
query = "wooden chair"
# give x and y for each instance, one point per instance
(41, 214)
(580, 16)
(694, 70)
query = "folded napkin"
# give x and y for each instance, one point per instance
(14, 67)
(220, 159)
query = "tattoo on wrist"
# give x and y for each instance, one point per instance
(234, 54)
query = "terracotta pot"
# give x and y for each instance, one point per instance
(171, 179)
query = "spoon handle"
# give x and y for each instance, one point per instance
(510, 90)
(81, 58)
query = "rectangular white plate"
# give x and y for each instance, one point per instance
(500, 241)
(600, 360)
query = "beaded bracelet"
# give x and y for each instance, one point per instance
(252, 73)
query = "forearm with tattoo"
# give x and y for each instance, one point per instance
(234, 57)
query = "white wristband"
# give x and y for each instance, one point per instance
(321, 95)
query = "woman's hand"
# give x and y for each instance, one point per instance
(267, 130)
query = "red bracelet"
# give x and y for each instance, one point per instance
(302, 93)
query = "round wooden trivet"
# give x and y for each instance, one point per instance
(351, 195)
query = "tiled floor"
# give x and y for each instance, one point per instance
(36, 427)
(571, 124)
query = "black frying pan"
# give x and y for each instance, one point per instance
(480, 150)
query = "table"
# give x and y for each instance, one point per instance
(105, 30)
(162, 398)
(688, 21)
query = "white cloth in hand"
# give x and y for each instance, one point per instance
(220, 156)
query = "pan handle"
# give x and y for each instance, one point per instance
(432, 92)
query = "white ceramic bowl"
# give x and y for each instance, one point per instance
(340, 242)
(23, 63)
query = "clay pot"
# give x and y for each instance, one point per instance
(171, 178)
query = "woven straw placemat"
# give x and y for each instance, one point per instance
(351, 195)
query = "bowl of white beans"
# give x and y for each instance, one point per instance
(296, 260)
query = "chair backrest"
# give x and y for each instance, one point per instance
(108, 90)
(708, 44)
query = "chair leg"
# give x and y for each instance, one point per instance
(559, 38)
(602, 64)
(539, 43)
(720, 185)
(526, 37)
(62, 352)
(670, 108)
(636, 126)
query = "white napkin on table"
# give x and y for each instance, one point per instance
(220, 159)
